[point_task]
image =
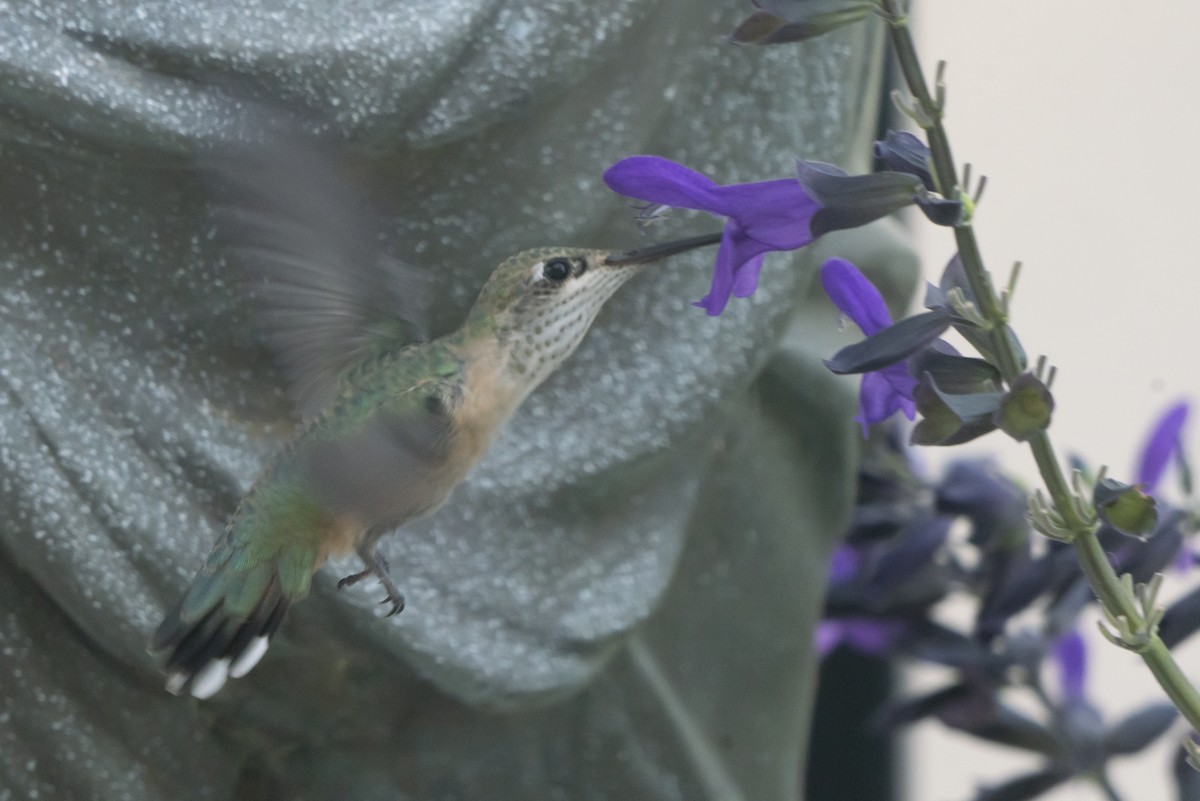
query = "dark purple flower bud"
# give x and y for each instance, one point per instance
(937, 297)
(933, 642)
(1139, 729)
(1187, 778)
(940, 210)
(1181, 620)
(1012, 581)
(760, 217)
(901, 151)
(848, 201)
(995, 505)
(1083, 728)
(1142, 559)
(782, 21)
(1026, 786)
(952, 419)
(903, 571)
(1070, 654)
(987, 717)
(1164, 445)
(910, 710)
(955, 374)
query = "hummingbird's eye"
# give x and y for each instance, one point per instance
(556, 270)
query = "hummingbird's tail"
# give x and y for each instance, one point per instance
(224, 622)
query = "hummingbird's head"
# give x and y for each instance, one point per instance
(542, 302)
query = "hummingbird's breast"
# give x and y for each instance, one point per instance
(489, 396)
(391, 451)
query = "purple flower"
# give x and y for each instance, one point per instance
(1070, 653)
(1164, 445)
(843, 564)
(868, 635)
(760, 217)
(890, 389)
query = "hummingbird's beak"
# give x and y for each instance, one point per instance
(655, 253)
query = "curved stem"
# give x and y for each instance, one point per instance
(1092, 559)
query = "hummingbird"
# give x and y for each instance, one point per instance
(390, 427)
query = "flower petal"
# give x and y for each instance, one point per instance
(1165, 442)
(721, 287)
(903, 384)
(871, 636)
(735, 272)
(827, 636)
(855, 296)
(745, 276)
(776, 213)
(660, 180)
(878, 398)
(843, 564)
(1071, 655)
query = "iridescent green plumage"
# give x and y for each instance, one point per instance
(392, 427)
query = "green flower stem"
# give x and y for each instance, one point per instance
(1092, 559)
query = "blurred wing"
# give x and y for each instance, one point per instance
(385, 466)
(324, 295)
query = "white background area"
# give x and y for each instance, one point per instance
(1084, 116)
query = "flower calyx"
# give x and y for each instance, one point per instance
(1125, 507)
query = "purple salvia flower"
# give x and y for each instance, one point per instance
(760, 217)
(1164, 444)
(843, 564)
(883, 392)
(868, 635)
(1070, 653)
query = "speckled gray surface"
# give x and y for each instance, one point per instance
(136, 406)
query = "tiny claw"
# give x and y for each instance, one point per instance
(377, 566)
(397, 605)
(353, 579)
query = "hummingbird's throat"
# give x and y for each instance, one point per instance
(547, 329)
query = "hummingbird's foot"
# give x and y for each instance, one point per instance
(377, 566)
(354, 578)
(374, 563)
(394, 596)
